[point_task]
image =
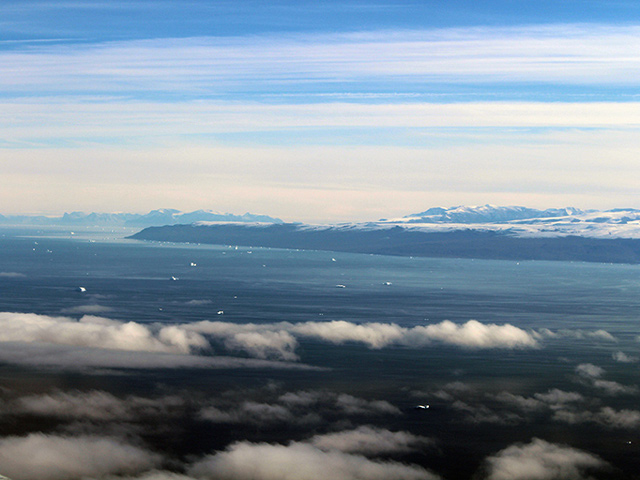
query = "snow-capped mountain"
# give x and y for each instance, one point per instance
(528, 222)
(487, 214)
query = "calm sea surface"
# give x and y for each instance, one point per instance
(580, 314)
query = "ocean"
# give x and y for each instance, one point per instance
(316, 356)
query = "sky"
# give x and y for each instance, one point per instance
(329, 111)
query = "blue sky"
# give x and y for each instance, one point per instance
(318, 111)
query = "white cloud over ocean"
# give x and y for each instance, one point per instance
(299, 461)
(542, 460)
(93, 341)
(278, 339)
(54, 457)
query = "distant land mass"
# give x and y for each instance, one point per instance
(487, 232)
(165, 216)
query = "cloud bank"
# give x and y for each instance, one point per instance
(95, 342)
(99, 341)
(97, 332)
(278, 339)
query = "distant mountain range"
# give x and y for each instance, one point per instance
(164, 216)
(527, 222)
(489, 232)
(488, 214)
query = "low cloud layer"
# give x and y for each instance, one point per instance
(591, 374)
(366, 440)
(53, 457)
(95, 406)
(97, 332)
(58, 341)
(78, 358)
(278, 340)
(541, 460)
(309, 407)
(555, 405)
(299, 461)
(99, 342)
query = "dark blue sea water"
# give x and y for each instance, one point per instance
(583, 317)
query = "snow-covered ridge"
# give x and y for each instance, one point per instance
(523, 221)
(487, 214)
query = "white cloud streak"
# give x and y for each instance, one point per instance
(589, 54)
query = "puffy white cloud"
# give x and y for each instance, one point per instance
(474, 334)
(579, 334)
(541, 460)
(606, 417)
(589, 370)
(91, 341)
(299, 461)
(624, 358)
(374, 335)
(96, 332)
(277, 339)
(51, 457)
(368, 440)
(259, 340)
(559, 397)
(591, 374)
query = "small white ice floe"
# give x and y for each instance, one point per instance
(220, 312)
(421, 407)
(81, 289)
(173, 279)
(341, 286)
